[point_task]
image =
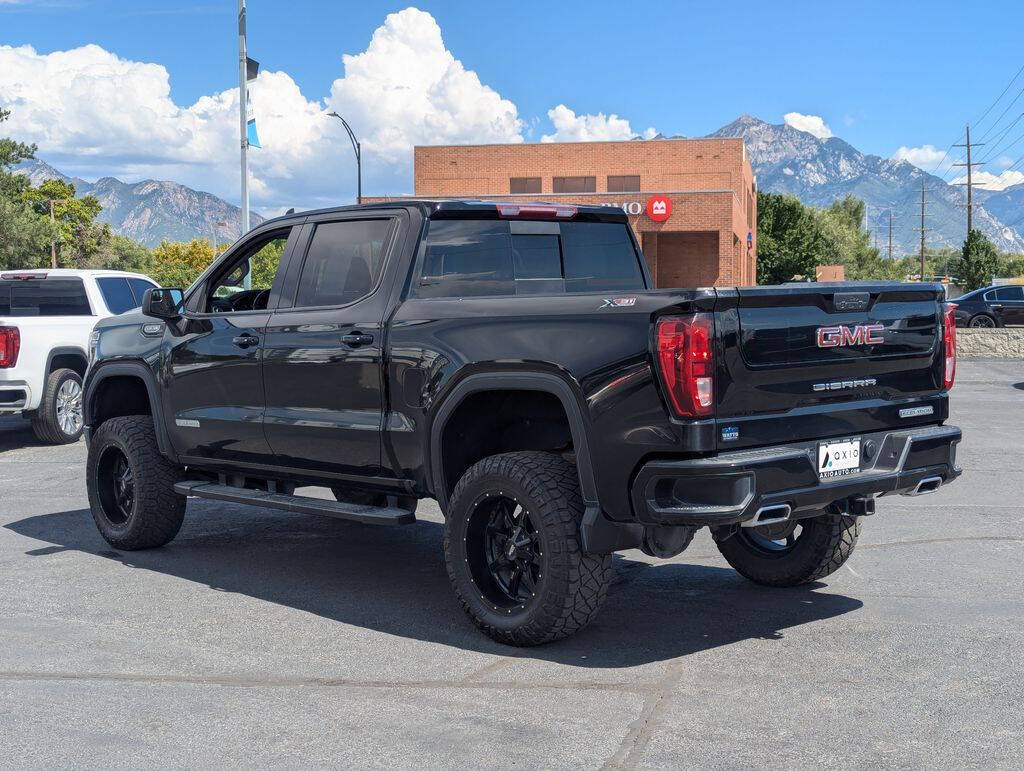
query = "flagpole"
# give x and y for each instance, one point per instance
(242, 109)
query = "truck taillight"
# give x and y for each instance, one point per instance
(10, 344)
(949, 338)
(686, 360)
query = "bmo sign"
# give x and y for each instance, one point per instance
(658, 208)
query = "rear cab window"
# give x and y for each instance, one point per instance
(487, 258)
(44, 297)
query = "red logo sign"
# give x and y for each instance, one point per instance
(862, 334)
(659, 208)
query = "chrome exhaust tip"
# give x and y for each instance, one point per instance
(769, 515)
(926, 485)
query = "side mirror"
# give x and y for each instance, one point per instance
(162, 303)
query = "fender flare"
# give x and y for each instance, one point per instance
(65, 350)
(598, 533)
(103, 371)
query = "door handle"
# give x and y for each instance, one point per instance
(246, 341)
(356, 339)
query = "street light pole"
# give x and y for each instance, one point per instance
(242, 118)
(359, 157)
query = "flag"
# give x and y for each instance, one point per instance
(252, 68)
(250, 123)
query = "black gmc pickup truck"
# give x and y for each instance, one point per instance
(511, 361)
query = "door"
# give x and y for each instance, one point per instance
(322, 356)
(214, 388)
(1009, 304)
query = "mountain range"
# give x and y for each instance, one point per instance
(785, 160)
(820, 171)
(151, 211)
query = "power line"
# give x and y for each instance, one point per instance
(1001, 95)
(935, 169)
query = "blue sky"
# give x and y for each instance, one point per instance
(880, 75)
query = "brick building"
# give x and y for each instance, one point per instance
(691, 202)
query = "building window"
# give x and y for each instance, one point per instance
(574, 185)
(624, 184)
(521, 185)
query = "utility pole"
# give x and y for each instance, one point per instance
(890, 233)
(970, 178)
(922, 228)
(242, 109)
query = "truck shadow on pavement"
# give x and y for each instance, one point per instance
(393, 581)
(15, 433)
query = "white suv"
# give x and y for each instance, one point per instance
(46, 317)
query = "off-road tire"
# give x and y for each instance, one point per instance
(572, 584)
(826, 542)
(157, 512)
(44, 420)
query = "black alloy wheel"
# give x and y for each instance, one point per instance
(116, 486)
(505, 551)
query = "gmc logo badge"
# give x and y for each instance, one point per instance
(862, 334)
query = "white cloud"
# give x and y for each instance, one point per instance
(570, 127)
(406, 88)
(926, 157)
(989, 181)
(1004, 162)
(93, 113)
(812, 124)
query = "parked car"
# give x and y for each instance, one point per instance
(46, 317)
(513, 362)
(992, 306)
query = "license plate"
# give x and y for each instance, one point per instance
(837, 459)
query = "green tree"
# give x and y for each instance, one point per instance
(24, 236)
(979, 261)
(80, 237)
(121, 253)
(790, 241)
(179, 263)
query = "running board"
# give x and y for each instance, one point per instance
(369, 515)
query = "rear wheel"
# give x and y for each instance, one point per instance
(793, 552)
(983, 321)
(59, 417)
(131, 485)
(513, 552)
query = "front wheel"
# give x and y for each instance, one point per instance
(131, 485)
(513, 552)
(793, 552)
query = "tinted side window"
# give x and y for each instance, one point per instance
(44, 297)
(117, 294)
(343, 262)
(139, 287)
(599, 256)
(1011, 293)
(466, 258)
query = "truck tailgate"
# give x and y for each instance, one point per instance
(809, 360)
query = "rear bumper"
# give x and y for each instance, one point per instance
(732, 488)
(15, 396)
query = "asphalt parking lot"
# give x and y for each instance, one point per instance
(267, 638)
